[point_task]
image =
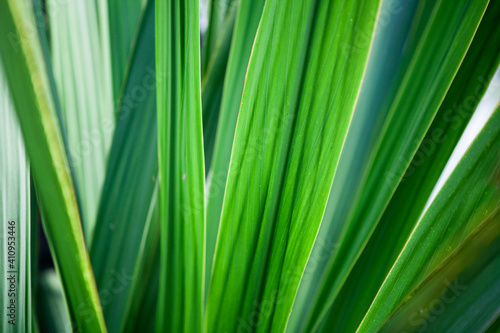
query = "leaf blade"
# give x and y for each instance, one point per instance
(272, 139)
(410, 114)
(129, 196)
(180, 146)
(28, 84)
(467, 197)
(15, 231)
(410, 198)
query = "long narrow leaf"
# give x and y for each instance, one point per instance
(129, 193)
(27, 80)
(85, 96)
(467, 198)
(15, 231)
(446, 38)
(213, 82)
(391, 46)
(182, 175)
(408, 202)
(301, 86)
(219, 10)
(123, 20)
(247, 21)
(466, 285)
(52, 310)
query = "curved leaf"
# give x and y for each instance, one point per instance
(469, 195)
(408, 202)
(23, 63)
(247, 21)
(465, 285)
(435, 62)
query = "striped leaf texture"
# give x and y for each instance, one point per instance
(302, 83)
(15, 231)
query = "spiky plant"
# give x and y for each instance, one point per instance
(305, 166)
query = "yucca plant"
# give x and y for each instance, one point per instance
(295, 166)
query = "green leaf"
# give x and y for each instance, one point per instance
(408, 202)
(391, 46)
(495, 327)
(301, 86)
(465, 285)
(122, 18)
(121, 243)
(52, 310)
(430, 73)
(28, 83)
(467, 198)
(219, 12)
(247, 21)
(143, 307)
(15, 230)
(180, 143)
(213, 82)
(86, 98)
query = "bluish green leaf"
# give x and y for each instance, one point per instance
(469, 195)
(435, 62)
(125, 219)
(464, 286)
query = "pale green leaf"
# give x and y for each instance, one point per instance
(86, 98)
(15, 230)
(28, 83)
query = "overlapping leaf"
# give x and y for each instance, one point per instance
(126, 222)
(445, 40)
(391, 47)
(409, 200)
(213, 82)
(466, 285)
(247, 21)
(302, 82)
(52, 310)
(219, 12)
(122, 18)
(25, 72)
(468, 197)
